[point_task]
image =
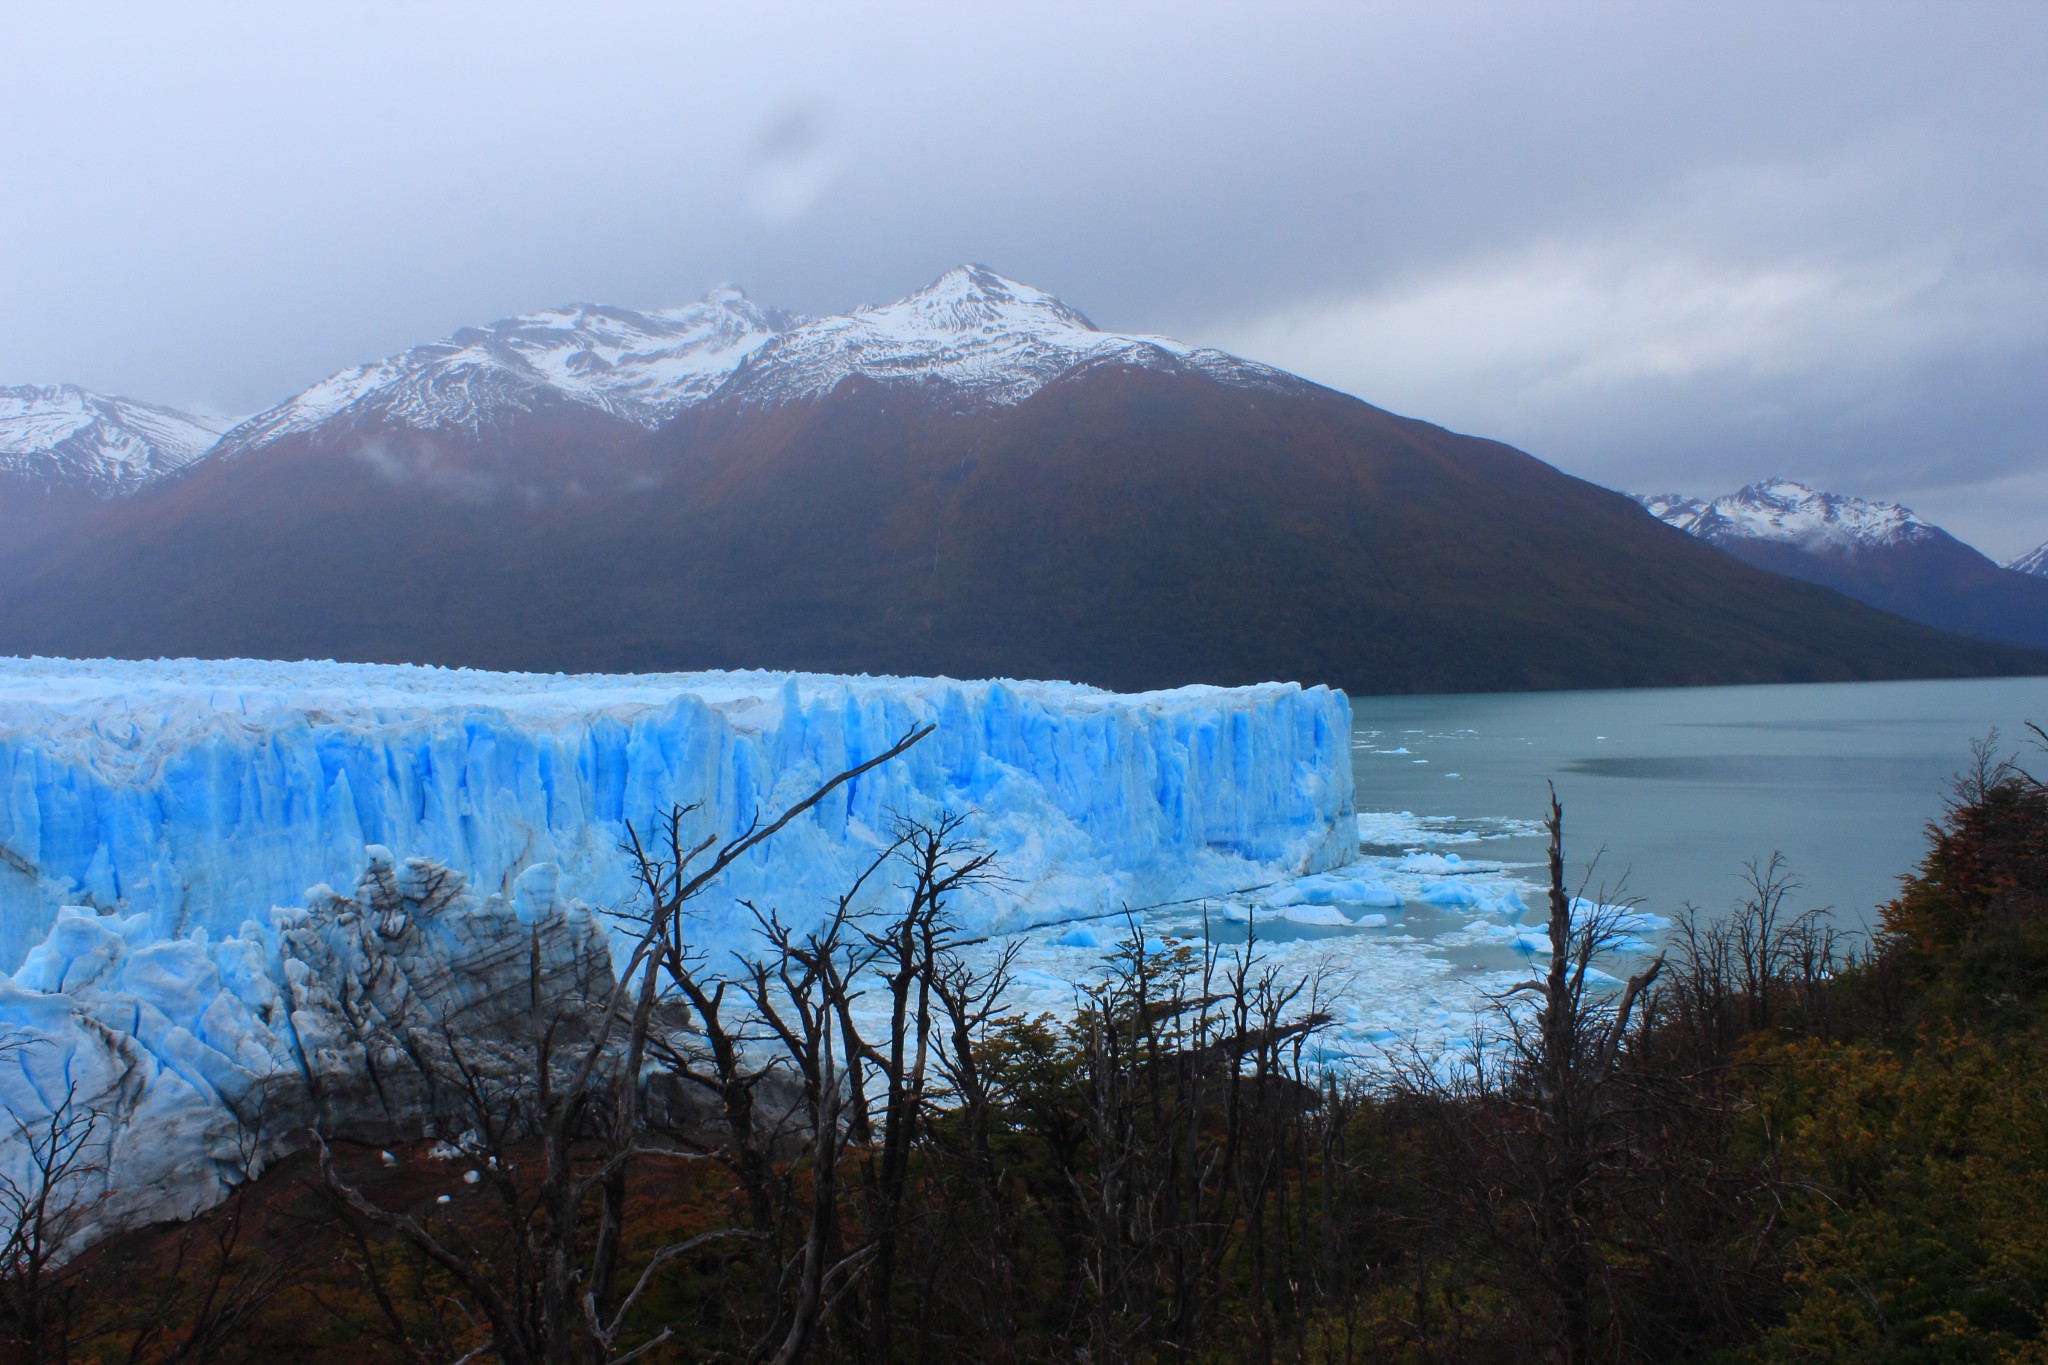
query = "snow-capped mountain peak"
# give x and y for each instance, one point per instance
(1879, 553)
(2034, 561)
(61, 435)
(971, 337)
(643, 367)
(971, 298)
(1675, 508)
(980, 337)
(1790, 512)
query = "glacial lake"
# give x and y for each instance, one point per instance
(1675, 788)
(1672, 789)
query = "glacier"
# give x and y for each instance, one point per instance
(198, 794)
(171, 831)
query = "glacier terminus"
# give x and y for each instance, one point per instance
(171, 834)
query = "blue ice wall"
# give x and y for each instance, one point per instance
(201, 794)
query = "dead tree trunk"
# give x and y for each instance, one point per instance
(1569, 1061)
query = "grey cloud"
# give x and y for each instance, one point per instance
(419, 462)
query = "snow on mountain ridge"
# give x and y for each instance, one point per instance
(62, 435)
(1788, 511)
(986, 338)
(990, 338)
(1675, 508)
(973, 296)
(2034, 561)
(643, 367)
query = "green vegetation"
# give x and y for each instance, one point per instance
(1761, 1148)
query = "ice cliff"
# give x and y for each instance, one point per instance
(169, 833)
(201, 794)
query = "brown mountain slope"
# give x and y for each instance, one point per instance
(1136, 528)
(1128, 526)
(1938, 580)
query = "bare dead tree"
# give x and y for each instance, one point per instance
(1538, 1122)
(1197, 1117)
(907, 953)
(1757, 940)
(871, 1082)
(1758, 966)
(1812, 953)
(977, 1261)
(1694, 1003)
(549, 1085)
(1547, 1126)
(571, 1083)
(43, 1210)
(791, 990)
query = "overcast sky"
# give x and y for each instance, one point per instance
(1666, 247)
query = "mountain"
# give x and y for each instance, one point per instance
(972, 480)
(1675, 508)
(1876, 552)
(1786, 512)
(973, 335)
(540, 405)
(65, 436)
(64, 449)
(970, 339)
(610, 363)
(2034, 561)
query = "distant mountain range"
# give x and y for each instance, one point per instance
(64, 451)
(1875, 552)
(2034, 561)
(972, 480)
(63, 436)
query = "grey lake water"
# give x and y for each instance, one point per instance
(1676, 788)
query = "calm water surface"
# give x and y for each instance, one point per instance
(1680, 786)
